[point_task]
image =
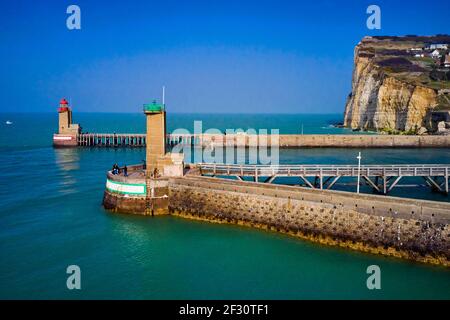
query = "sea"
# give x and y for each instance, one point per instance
(51, 218)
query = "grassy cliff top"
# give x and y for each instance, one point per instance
(409, 58)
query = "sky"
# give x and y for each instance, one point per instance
(212, 56)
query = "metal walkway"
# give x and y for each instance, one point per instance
(382, 178)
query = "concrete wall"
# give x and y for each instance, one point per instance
(64, 140)
(406, 228)
(318, 140)
(365, 141)
(124, 204)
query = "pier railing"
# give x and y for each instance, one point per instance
(132, 139)
(435, 175)
(314, 170)
(112, 139)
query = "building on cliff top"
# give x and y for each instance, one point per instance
(435, 54)
(438, 46)
(447, 61)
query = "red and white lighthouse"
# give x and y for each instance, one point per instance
(63, 105)
(67, 131)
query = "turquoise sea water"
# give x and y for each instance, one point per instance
(51, 217)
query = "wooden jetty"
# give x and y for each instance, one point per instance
(131, 139)
(111, 140)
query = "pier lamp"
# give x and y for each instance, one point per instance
(359, 171)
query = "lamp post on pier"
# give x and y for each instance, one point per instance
(359, 171)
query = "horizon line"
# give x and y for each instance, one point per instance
(218, 113)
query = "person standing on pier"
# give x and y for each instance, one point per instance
(125, 170)
(115, 168)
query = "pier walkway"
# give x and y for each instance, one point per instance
(131, 139)
(111, 139)
(282, 141)
(382, 178)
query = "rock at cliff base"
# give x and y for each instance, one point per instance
(422, 131)
(443, 128)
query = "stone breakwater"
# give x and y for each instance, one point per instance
(404, 228)
(317, 140)
(364, 141)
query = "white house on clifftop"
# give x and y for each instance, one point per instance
(435, 54)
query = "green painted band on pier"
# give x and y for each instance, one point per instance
(153, 107)
(126, 188)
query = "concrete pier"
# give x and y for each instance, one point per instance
(137, 193)
(405, 228)
(313, 140)
(117, 140)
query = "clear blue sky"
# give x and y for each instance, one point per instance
(213, 56)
